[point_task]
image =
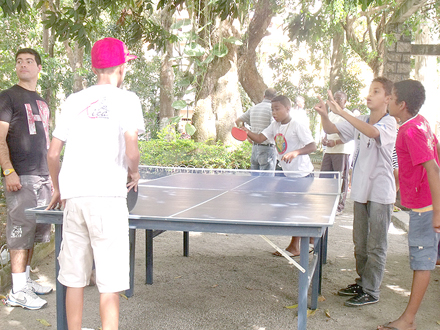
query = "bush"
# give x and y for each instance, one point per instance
(187, 153)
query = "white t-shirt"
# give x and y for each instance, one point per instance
(372, 178)
(92, 125)
(289, 137)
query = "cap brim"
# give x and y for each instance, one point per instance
(130, 57)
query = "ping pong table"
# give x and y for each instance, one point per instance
(227, 201)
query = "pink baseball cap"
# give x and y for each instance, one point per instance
(109, 52)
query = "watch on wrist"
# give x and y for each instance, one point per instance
(8, 171)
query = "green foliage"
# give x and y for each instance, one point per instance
(10, 7)
(18, 32)
(143, 79)
(352, 86)
(55, 77)
(308, 85)
(364, 4)
(26, 31)
(170, 150)
(309, 79)
(222, 8)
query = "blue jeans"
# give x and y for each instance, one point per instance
(263, 158)
(370, 230)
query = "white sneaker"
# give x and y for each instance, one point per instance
(38, 288)
(25, 298)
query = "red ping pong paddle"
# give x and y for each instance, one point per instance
(238, 134)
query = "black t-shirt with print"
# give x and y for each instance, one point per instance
(28, 137)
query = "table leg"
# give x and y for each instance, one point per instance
(132, 240)
(323, 257)
(149, 256)
(61, 289)
(317, 273)
(324, 246)
(185, 244)
(303, 284)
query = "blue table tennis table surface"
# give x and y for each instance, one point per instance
(229, 201)
(231, 197)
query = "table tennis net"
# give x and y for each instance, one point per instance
(241, 180)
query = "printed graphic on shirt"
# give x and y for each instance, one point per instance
(16, 232)
(98, 109)
(428, 134)
(43, 116)
(280, 143)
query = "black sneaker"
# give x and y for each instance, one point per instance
(361, 300)
(351, 290)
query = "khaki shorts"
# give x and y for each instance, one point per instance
(21, 229)
(95, 228)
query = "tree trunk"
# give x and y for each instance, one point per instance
(227, 103)
(218, 100)
(337, 61)
(372, 58)
(76, 59)
(250, 78)
(166, 74)
(48, 46)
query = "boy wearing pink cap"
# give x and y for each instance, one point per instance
(99, 128)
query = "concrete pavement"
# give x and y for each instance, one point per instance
(233, 282)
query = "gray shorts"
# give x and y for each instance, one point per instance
(21, 229)
(422, 241)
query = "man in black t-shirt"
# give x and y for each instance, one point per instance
(24, 140)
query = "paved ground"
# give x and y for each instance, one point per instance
(232, 282)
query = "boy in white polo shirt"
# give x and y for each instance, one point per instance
(294, 142)
(99, 127)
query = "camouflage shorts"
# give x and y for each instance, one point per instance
(21, 229)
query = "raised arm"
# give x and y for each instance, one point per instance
(327, 125)
(132, 156)
(363, 127)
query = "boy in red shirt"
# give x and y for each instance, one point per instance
(419, 176)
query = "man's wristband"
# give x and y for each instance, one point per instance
(8, 171)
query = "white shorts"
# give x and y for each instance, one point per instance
(95, 228)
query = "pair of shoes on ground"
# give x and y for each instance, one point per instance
(28, 296)
(359, 297)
